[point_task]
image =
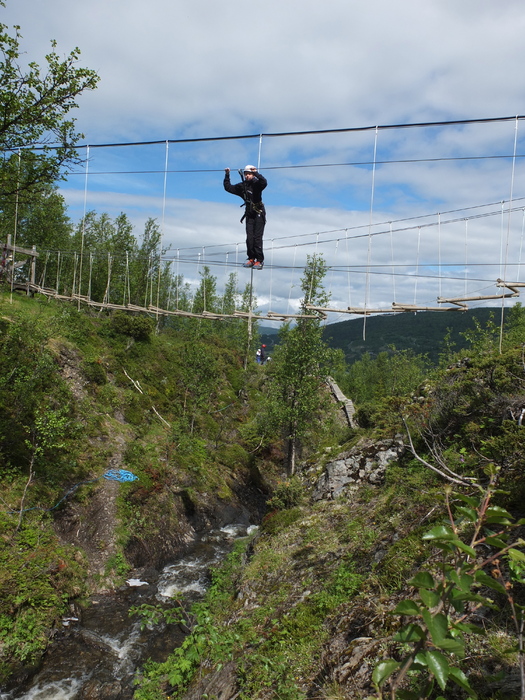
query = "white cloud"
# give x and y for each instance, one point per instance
(207, 67)
(178, 69)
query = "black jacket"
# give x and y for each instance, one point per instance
(250, 192)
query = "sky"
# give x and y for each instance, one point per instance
(401, 215)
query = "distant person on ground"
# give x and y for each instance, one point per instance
(260, 355)
(250, 189)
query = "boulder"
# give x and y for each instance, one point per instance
(364, 463)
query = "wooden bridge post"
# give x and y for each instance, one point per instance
(32, 273)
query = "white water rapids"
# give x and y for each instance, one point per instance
(96, 658)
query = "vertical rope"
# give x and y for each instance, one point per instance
(226, 278)
(178, 282)
(439, 256)
(260, 151)
(513, 172)
(466, 257)
(271, 277)
(501, 240)
(291, 280)
(369, 253)
(126, 283)
(521, 243)
(166, 160)
(349, 286)
(75, 264)
(198, 270)
(151, 280)
(13, 252)
(83, 223)
(309, 301)
(417, 264)
(170, 284)
(58, 273)
(204, 279)
(90, 274)
(105, 300)
(330, 286)
(392, 262)
(43, 276)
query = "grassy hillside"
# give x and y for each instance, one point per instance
(361, 562)
(84, 394)
(406, 586)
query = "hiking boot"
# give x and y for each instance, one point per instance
(257, 265)
(248, 263)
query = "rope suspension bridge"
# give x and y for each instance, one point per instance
(407, 252)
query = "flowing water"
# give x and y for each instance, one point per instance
(96, 657)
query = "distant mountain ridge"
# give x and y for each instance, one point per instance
(422, 332)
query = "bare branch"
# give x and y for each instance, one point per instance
(451, 477)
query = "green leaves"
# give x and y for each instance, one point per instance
(406, 607)
(498, 515)
(410, 633)
(422, 580)
(444, 536)
(439, 624)
(460, 679)
(383, 671)
(296, 397)
(35, 105)
(485, 580)
(438, 665)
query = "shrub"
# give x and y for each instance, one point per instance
(287, 494)
(94, 371)
(137, 327)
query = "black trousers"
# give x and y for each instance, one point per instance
(254, 236)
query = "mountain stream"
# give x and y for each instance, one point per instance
(96, 656)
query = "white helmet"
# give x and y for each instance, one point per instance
(249, 168)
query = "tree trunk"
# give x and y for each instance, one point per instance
(292, 449)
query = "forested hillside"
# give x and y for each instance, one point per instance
(430, 333)
(393, 566)
(355, 585)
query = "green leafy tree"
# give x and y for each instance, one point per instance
(38, 218)
(299, 366)
(198, 377)
(151, 280)
(107, 249)
(32, 424)
(480, 555)
(515, 326)
(234, 331)
(206, 295)
(391, 373)
(35, 107)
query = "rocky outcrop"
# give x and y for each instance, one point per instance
(345, 404)
(366, 462)
(221, 684)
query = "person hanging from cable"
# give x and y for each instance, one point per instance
(249, 189)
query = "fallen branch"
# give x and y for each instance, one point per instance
(452, 477)
(139, 388)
